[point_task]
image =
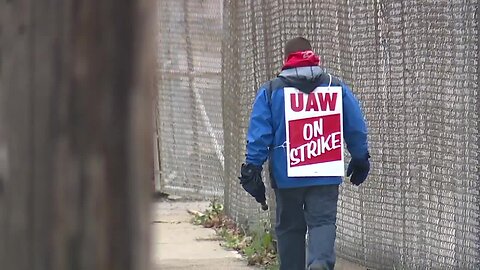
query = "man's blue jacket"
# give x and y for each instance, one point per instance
(267, 133)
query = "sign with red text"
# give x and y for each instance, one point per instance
(314, 132)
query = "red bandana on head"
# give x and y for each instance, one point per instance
(301, 59)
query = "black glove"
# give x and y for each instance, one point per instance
(251, 181)
(358, 168)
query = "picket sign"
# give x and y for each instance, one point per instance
(314, 132)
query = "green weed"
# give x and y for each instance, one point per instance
(256, 245)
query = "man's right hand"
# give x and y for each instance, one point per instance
(358, 169)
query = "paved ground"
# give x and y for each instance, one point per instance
(177, 244)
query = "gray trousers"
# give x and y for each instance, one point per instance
(314, 208)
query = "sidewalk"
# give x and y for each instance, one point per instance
(179, 245)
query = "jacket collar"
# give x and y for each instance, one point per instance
(302, 72)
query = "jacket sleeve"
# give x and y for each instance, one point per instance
(354, 126)
(260, 130)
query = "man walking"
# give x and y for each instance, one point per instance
(300, 122)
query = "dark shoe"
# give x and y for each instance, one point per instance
(317, 267)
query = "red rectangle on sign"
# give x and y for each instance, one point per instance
(315, 140)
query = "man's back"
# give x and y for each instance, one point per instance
(268, 126)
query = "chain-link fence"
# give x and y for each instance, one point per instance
(412, 64)
(189, 119)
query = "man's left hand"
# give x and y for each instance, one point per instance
(251, 181)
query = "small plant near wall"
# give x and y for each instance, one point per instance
(256, 244)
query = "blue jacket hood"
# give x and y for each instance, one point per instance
(305, 79)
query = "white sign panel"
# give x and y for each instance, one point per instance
(314, 125)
